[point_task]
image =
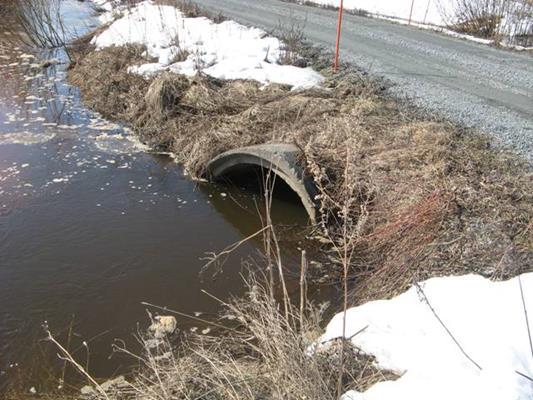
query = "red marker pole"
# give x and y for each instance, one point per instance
(339, 31)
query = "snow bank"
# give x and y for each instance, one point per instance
(486, 318)
(187, 45)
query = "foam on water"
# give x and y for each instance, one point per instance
(119, 144)
(26, 138)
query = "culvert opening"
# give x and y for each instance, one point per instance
(249, 166)
(252, 178)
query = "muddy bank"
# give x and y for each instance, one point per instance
(424, 197)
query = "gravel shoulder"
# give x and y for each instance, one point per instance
(468, 83)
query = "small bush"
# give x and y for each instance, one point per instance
(499, 20)
(292, 36)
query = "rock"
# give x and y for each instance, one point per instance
(163, 326)
(88, 391)
(48, 63)
(109, 386)
(153, 343)
(114, 384)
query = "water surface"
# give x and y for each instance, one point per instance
(92, 223)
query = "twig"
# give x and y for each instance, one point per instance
(68, 357)
(228, 250)
(348, 338)
(524, 375)
(525, 314)
(426, 300)
(346, 256)
(268, 194)
(222, 302)
(303, 288)
(64, 369)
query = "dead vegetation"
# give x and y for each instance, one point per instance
(428, 198)
(507, 21)
(402, 198)
(37, 24)
(261, 355)
(254, 350)
(264, 345)
(292, 37)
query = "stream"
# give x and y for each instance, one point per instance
(92, 224)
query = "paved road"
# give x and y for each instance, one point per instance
(466, 82)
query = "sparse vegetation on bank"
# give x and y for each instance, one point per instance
(264, 353)
(253, 350)
(428, 198)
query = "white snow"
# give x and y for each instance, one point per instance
(227, 50)
(486, 318)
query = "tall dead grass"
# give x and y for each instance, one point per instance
(261, 346)
(261, 356)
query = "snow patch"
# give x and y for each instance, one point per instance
(486, 318)
(227, 50)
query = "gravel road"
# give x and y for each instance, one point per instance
(466, 82)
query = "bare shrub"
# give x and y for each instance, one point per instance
(40, 23)
(291, 34)
(178, 54)
(493, 19)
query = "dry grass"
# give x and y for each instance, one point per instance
(500, 20)
(428, 198)
(261, 355)
(109, 80)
